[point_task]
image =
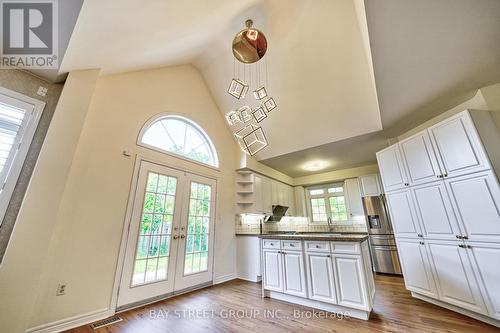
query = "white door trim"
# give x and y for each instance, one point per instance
(128, 219)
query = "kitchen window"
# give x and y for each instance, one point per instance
(327, 201)
(19, 116)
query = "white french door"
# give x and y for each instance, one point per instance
(170, 240)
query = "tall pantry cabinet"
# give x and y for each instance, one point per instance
(443, 196)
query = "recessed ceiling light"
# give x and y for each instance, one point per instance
(315, 165)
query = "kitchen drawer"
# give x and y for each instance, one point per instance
(317, 246)
(291, 245)
(271, 244)
(347, 248)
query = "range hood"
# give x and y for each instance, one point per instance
(278, 212)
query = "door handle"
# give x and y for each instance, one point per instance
(421, 243)
(420, 235)
(183, 236)
(176, 236)
(462, 246)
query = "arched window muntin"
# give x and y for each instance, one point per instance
(179, 136)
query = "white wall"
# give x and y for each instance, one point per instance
(89, 226)
(71, 223)
(26, 257)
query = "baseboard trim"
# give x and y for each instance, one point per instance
(249, 279)
(71, 322)
(225, 278)
(478, 316)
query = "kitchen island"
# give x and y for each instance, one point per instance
(330, 272)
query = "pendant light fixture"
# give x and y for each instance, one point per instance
(249, 47)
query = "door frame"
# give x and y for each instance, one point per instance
(128, 219)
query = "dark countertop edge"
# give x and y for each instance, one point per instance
(346, 238)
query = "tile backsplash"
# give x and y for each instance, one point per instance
(251, 224)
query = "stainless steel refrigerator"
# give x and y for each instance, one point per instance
(381, 236)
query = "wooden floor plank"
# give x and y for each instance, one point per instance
(394, 311)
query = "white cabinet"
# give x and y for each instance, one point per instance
(247, 263)
(354, 203)
(455, 278)
(486, 257)
(435, 211)
(294, 273)
(458, 146)
(273, 270)
(321, 277)
(419, 159)
(350, 281)
(332, 276)
(476, 201)
(391, 168)
(416, 267)
(403, 215)
(300, 201)
(370, 185)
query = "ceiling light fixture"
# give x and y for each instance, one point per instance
(249, 46)
(315, 165)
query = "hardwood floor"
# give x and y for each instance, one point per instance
(394, 311)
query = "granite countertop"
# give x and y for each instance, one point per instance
(319, 236)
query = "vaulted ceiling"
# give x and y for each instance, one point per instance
(331, 63)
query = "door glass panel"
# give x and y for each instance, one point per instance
(153, 244)
(197, 230)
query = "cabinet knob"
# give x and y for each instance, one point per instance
(176, 236)
(465, 237)
(458, 236)
(317, 246)
(328, 256)
(446, 175)
(462, 246)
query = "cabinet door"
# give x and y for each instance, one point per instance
(419, 158)
(476, 201)
(294, 273)
(290, 195)
(350, 281)
(275, 192)
(456, 283)
(321, 280)
(267, 201)
(273, 270)
(435, 211)
(391, 168)
(416, 267)
(458, 146)
(402, 213)
(258, 204)
(486, 257)
(369, 185)
(355, 205)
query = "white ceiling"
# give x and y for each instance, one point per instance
(318, 71)
(427, 55)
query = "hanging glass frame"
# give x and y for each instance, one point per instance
(251, 139)
(259, 114)
(245, 113)
(260, 93)
(238, 89)
(269, 104)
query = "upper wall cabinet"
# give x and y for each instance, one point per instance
(458, 146)
(419, 159)
(370, 185)
(392, 169)
(355, 205)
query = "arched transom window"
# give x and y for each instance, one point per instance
(180, 136)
